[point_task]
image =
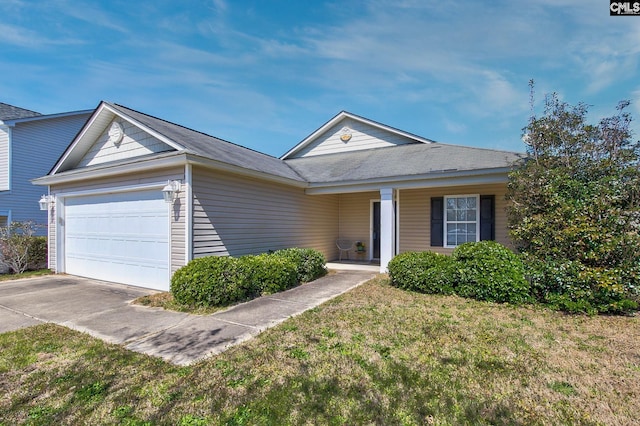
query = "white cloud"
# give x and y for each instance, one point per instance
(94, 15)
(455, 126)
(24, 37)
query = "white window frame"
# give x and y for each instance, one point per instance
(447, 222)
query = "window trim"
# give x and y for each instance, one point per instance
(446, 222)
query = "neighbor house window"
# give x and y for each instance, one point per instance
(461, 217)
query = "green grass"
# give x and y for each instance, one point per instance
(375, 355)
(26, 274)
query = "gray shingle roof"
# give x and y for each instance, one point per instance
(207, 146)
(381, 163)
(10, 112)
(399, 161)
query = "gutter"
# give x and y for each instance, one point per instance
(160, 161)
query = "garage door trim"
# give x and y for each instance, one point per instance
(60, 216)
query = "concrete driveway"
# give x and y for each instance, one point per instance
(104, 310)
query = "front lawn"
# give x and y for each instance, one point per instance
(373, 355)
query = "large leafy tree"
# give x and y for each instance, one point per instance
(575, 208)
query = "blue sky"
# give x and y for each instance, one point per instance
(265, 74)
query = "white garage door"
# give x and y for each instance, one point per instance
(122, 237)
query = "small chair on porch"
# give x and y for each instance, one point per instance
(344, 246)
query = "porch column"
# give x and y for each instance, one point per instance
(387, 220)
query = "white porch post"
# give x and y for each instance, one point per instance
(387, 227)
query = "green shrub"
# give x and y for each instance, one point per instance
(310, 263)
(425, 272)
(209, 281)
(222, 281)
(267, 274)
(576, 288)
(489, 271)
(37, 258)
(573, 209)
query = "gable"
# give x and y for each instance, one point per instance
(347, 132)
(134, 142)
(351, 135)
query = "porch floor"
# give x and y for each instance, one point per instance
(354, 265)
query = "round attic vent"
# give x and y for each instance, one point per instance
(345, 134)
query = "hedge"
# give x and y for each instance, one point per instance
(310, 263)
(267, 274)
(576, 288)
(223, 280)
(209, 281)
(490, 271)
(425, 272)
(484, 270)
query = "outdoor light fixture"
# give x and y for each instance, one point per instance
(170, 190)
(46, 201)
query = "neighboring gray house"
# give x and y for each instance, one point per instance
(134, 197)
(30, 144)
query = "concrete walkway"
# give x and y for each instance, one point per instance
(104, 310)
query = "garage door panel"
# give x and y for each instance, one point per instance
(120, 237)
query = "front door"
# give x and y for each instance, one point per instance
(375, 231)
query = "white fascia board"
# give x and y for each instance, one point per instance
(474, 177)
(79, 137)
(47, 117)
(165, 160)
(345, 114)
(306, 141)
(149, 130)
(172, 159)
(225, 167)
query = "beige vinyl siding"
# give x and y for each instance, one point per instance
(415, 214)
(4, 158)
(178, 220)
(135, 143)
(355, 216)
(235, 215)
(363, 136)
(178, 225)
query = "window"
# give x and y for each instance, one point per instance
(454, 222)
(462, 216)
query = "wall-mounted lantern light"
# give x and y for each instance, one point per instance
(46, 201)
(170, 190)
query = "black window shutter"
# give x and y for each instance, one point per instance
(437, 221)
(487, 217)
